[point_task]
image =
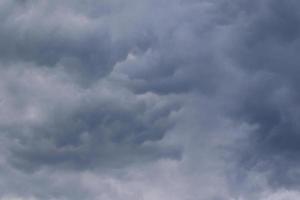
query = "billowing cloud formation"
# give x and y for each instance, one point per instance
(149, 99)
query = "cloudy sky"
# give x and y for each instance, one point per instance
(149, 100)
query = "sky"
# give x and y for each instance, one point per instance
(149, 100)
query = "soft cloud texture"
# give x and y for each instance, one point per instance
(149, 100)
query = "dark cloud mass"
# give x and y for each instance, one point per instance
(149, 99)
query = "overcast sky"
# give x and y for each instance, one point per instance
(149, 100)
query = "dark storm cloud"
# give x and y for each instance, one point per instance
(266, 50)
(62, 125)
(82, 43)
(186, 56)
(90, 88)
(60, 34)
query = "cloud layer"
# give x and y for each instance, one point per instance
(149, 99)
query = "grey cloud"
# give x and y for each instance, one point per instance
(62, 125)
(130, 96)
(188, 58)
(265, 50)
(60, 34)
